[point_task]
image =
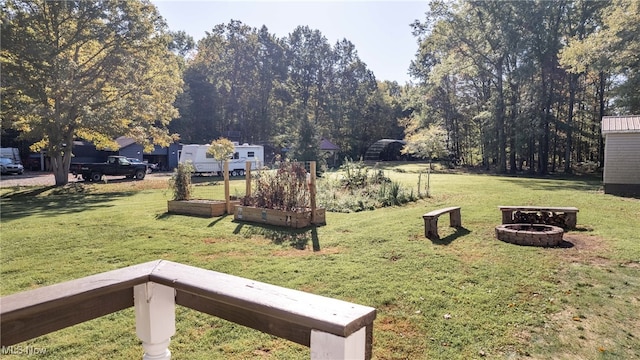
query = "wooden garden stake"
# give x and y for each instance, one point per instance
(312, 190)
(227, 198)
(247, 178)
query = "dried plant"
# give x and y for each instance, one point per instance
(284, 189)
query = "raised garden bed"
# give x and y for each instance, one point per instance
(200, 207)
(278, 217)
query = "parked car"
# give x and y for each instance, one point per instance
(7, 166)
(150, 167)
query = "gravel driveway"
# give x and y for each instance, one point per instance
(38, 178)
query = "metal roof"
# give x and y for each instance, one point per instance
(328, 145)
(620, 124)
(124, 141)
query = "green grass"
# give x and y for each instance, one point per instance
(462, 297)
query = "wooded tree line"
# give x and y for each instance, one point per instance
(523, 85)
(247, 83)
(519, 85)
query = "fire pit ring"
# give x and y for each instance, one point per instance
(530, 234)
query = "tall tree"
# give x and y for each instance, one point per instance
(500, 67)
(612, 47)
(89, 69)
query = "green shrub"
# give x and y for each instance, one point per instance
(180, 182)
(359, 188)
(358, 176)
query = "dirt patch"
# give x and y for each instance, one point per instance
(584, 249)
(401, 327)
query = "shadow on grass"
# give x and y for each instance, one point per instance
(580, 183)
(164, 215)
(564, 244)
(296, 238)
(52, 200)
(579, 229)
(627, 196)
(460, 231)
(220, 218)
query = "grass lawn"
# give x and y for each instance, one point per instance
(465, 296)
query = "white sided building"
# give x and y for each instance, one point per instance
(205, 163)
(621, 154)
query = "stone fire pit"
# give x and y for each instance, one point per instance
(530, 234)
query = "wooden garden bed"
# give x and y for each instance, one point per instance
(278, 217)
(200, 207)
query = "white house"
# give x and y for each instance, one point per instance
(621, 154)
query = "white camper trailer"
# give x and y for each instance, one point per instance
(205, 163)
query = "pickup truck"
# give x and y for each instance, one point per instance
(115, 165)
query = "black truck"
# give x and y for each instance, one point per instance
(115, 165)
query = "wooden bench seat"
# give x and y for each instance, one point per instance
(569, 214)
(431, 221)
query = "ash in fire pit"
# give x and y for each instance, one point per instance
(530, 234)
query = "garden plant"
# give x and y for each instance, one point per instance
(284, 188)
(358, 186)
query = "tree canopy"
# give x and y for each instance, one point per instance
(523, 85)
(514, 85)
(94, 70)
(248, 85)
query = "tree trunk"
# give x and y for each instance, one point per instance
(543, 151)
(502, 151)
(60, 166)
(61, 153)
(602, 104)
(569, 131)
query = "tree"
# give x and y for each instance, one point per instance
(221, 150)
(306, 146)
(494, 74)
(426, 143)
(288, 92)
(181, 43)
(612, 47)
(94, 70)
(470, 38)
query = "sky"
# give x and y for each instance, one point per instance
(380, 30)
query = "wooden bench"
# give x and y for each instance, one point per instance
(570, 214)
(431, 221)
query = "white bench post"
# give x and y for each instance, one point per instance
(325, 346)
(155, 319)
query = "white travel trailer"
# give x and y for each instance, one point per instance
(205, 163)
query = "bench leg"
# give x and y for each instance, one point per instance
(431, 228)
(507, 216)
(571, 220)
(455, 220)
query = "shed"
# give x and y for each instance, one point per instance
(331, 151)
(386, 150)
(621, 154)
